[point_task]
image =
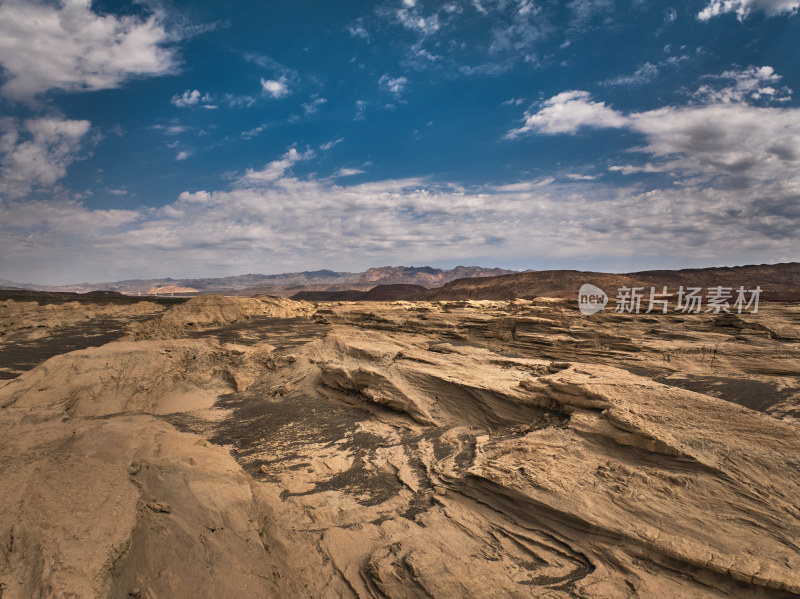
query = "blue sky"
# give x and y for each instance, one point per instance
(192, 139)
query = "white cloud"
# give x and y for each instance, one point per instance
(731, 141)
(644, 74)
(182, 155)
(275, 169)
(584, 11)
(413, 20)
(275, 88)
(566, 113)
(67, 217)
(65, 45)
(35, 154)
(54, 240)
(394, 85)
(630, 169)
(515, 34)
(313, 106)
(348, 172)
(172, 129)
(734, 167)
(357, 29)
(727, 144)
(282, 78)
(250, 134)
(743, 8)
(330, 144)
(512, 31)
(752, 83)
(267, 216)
(275, 214)
(239, 101)
(524, 185)
(191, 97)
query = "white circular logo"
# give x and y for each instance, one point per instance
(591, 299)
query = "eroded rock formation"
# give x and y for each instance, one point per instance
(448, 449)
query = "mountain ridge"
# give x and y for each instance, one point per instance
(777, 281)
(282, 283)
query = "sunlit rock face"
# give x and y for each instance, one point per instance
(257, 447)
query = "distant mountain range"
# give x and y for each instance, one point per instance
(283, 284)
(777, 281)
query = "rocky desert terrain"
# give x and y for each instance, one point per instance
(266, 447)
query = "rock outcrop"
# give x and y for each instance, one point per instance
(210, 311)
(408, 449)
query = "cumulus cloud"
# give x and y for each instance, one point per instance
(191, 97)
(734, 141)
(281, 80)
(35, 154)
(566, 113)
(729, 144)
(743, 8)
(65, 45)
(740, 160)
(393, 85)
(275, 88)
(275, 169)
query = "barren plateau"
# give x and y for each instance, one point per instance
(266, 447)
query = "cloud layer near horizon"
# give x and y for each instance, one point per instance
(271, 218)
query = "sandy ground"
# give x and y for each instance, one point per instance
(259, 447)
